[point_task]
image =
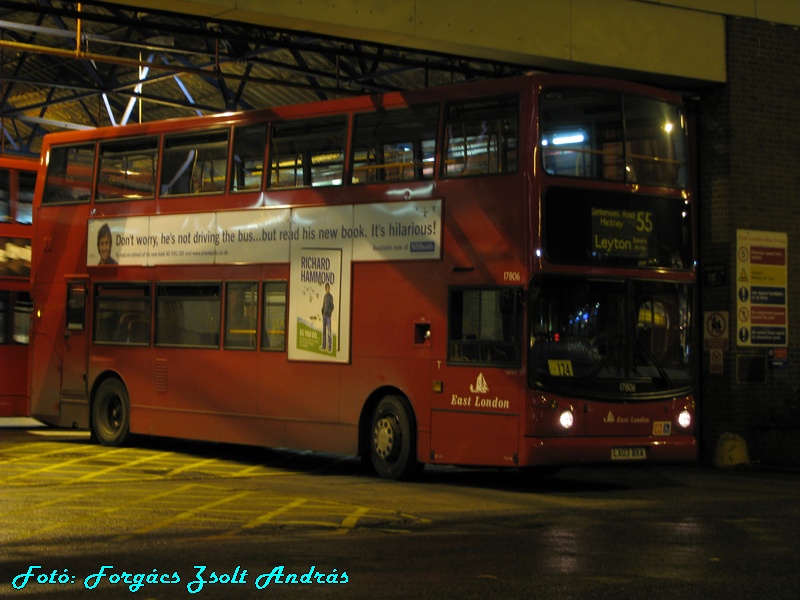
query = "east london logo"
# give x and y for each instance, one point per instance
(659, 427)
(480, 387)
(478, 400)
(610, 418)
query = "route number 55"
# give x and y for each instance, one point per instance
(644, 221)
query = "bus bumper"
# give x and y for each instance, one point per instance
(590, 450)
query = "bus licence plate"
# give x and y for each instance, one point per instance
(628, 454)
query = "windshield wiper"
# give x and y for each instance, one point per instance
(655, 362)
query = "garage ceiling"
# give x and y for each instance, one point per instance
(69, 65)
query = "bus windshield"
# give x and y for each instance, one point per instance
(600, 134)
(610, 338)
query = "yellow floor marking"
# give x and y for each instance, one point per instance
(32, 456)
(184, 515)
(260, 520)
(103, 511)
(350, 520)
(126, 464)
(273, 513)
(30, 508)
(247, 470)
(61, 464)
(194, 465)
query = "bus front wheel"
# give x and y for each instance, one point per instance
(111, 413)
(392, 440)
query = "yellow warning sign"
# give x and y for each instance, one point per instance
(762, 311)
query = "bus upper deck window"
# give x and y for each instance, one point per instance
(195, 163)
(69, 174)
(247, 163)
(25, 186)
(481, 137)
(395, 145)
(307, 153)
(5, 195)
(127, 169)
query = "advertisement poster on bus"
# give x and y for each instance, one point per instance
(397, 230)
(316, 306)
(319, 288)
(370, 232)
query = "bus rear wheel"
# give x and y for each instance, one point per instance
(111, 413)
(392, 440)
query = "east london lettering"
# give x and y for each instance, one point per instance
(478, 402)
(632, 420)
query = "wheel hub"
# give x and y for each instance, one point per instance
(385, 438)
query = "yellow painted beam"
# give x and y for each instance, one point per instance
(784, 12)
(648, 38)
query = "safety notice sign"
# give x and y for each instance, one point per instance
(761, 280)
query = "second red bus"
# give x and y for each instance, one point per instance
(17, 183)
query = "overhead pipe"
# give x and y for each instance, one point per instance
(88, 37)
(78, 32)
(118, 60)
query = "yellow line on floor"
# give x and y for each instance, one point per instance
(97, 473)
(61, 464)
(350, 520)
(184, 515)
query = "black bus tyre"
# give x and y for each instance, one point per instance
(392, 440)
(111, 413)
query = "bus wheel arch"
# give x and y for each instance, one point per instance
(110, 411)
(389, 435)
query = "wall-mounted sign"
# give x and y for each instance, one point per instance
(715, 331)
(761, 280)
(715, 275)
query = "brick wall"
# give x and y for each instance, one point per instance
(749, 178)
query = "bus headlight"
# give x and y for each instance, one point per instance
(567, 419)
(685, 419)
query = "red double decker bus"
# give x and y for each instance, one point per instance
(496, 273)
(17, 182)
